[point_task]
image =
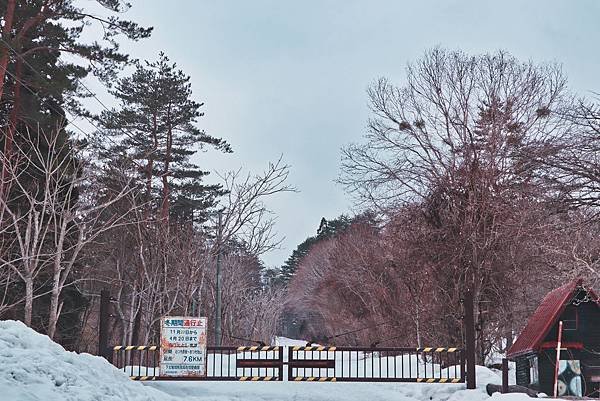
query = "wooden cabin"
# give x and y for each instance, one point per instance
(534, 351)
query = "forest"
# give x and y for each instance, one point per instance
(476, 172)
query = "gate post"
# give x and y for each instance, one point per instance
(280, 360)
(103, 324)
(290, 361)
(504, 376)
(470, 339)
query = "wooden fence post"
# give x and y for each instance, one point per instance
(470, 339)
(504, 375)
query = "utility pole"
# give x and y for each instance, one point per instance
(103, 347)
(470, 339)
(218, 301)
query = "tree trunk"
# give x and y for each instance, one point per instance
(150, 165)
(137, 327)
(11, 129)
(56, 280)
(54, 305)
(132, 312)
(4, 50)
(418, 325)
(28, 301)
(165, 175)
(509, 339)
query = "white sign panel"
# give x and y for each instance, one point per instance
(182, 346)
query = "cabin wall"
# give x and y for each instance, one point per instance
(589, 318)
(585, 332)
(546, 369)
(522, 371)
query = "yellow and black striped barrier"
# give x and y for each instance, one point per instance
(439, 349)
(142, 378)
(135, 347)
(442, 380)
(315, 348)
(135, 358)
(258, 348)
(258, 378)
(314, 379)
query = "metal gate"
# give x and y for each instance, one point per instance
(307, 363)
(372, 364)
(255, 363)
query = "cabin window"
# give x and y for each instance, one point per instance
(534, 377)
(570, 319)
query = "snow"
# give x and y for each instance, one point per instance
(289, 342)
(32, 367)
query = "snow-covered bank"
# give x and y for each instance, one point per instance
(32, 367)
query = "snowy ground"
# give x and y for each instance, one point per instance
(32, 367)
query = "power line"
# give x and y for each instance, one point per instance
(391, 321)
(50, 106)
(126, 133)
(68, 121)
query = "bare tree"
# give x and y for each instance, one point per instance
(463, 143)
(156, 271)
(574, 169)
(245, 214)
(50, 219)
(455, 112)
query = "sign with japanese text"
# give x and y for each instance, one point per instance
(182, 346)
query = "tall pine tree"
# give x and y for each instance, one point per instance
(156, 126)
(38, 86)
(35, 88)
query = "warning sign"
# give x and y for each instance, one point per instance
(183, 346)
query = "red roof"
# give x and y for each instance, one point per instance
(544, 317)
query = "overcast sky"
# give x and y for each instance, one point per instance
(289, 77)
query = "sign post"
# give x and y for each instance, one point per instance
(183, 346)
(557, 366)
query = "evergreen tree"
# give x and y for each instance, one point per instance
(156, 126)
(35, 88)
(327, 229)
(38, 86)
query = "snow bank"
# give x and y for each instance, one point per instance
(33, 367)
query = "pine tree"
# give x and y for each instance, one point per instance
(35, 88)
(156, 125)
(327, 229)
(38, 86)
